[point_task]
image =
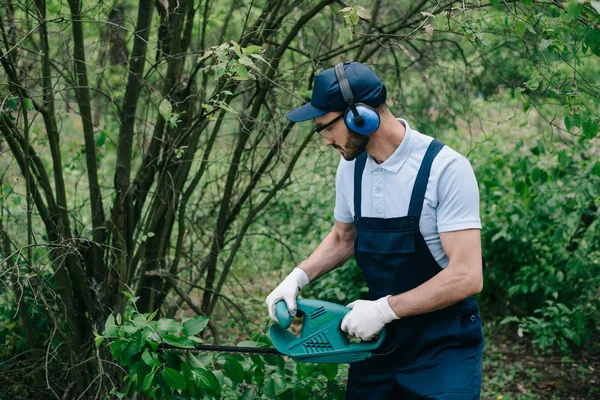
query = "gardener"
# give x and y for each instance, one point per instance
(407, 207)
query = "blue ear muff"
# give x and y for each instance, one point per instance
(370, 119)
(359, 117)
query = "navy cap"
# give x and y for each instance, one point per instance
(366, 87)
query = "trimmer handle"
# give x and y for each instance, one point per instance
(282, 314)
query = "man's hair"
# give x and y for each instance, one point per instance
(381, 108)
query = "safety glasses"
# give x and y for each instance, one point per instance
(321, 128)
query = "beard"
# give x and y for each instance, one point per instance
(356, 144)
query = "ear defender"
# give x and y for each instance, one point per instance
(359, 117)
(369, 116)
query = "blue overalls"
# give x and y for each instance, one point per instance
(437, 355)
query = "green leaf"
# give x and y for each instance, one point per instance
(590, 128)
(165, 325)
(363, 13)
(151, 316)
(234, 370)
(252, 49)
(148, 381)
(110, 328)
(560, 276)
(305, 370)
(519, 27)
(204, 379)
(118, 347)
(28, 104)
(195, 339)
(527, 2)
(592, 36)
(248, 343)
(100, 139)
(150, 359)
(569, 334)
(194, 361)
(226, 107)
(173, 378)
(563, 158)
(220, 70)
(249, 394)
(245, 60)
(260, 58)
(509, 320)
(576, 120)
(329, 370)
(204, 56)
(242, 72)
(353, 17)
(545, 43)
(98, 341)
(536, 174)
(238, 50)
(11, 103)
(345, 36)
(596, 169)
(195, 325)
(165, 109)
(178, 341)
(574, 10)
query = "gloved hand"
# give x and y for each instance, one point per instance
(287, 290)
(368, 318)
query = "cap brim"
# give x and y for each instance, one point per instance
(305, 113)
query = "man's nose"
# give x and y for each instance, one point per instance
(327, 141)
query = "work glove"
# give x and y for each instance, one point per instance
(288, 291)
(367, 318)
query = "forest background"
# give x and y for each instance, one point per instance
(151, 189)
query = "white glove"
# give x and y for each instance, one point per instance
(368, 318)
(287, 290)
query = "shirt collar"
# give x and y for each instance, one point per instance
(399, 157)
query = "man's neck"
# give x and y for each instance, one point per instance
(386, 139)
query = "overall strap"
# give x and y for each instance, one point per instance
(359, 167)
(418, 193)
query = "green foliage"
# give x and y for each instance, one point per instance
(233, 61)
(343, 285)
(352, 16)
(171, 374)
(541, 237)
(554, 325)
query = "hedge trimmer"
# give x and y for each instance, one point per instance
(321, 339)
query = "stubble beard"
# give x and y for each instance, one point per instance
(356, 144)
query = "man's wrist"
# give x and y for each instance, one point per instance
(300, 277)
(386, 308)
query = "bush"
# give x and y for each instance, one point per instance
(541, 237)
(135, 343)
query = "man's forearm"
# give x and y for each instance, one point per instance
(330, 254)
(444, 289)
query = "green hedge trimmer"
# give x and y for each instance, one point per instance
(321, 339)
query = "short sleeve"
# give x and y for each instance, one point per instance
(458, 197)
(342, 212)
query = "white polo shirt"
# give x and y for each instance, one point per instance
(451, 199)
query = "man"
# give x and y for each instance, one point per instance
(407, 208)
